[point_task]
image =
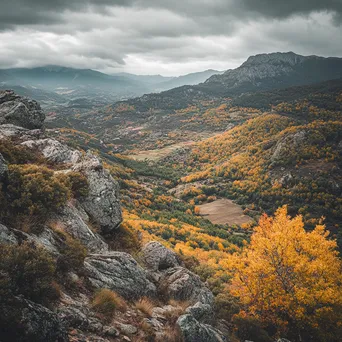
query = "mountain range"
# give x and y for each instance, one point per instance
(72, 83)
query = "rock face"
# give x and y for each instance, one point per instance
(119, 272)
(20, 111)
(25, 321)
(3, 167)
(288, 145)
(277, 70)
(6, 236)
(54, 151)
(194, 331)
(73, 221)
(181, 284)
(158, 258)
(102, 202)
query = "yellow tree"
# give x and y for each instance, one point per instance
(289, 277)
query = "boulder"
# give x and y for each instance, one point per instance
(201, 312)
(73, 220)
(20, 111)
(20, 133)
(119, 272)
(24, 321)
(157, 257)
(194, 331)
(102, 202)
(3, 167)
(288, 145)
(181, 284)
(7, 236)
(54, 151)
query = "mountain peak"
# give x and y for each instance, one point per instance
(290, 58)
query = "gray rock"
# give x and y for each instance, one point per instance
(128, 329)
(287, 145)
(9, 130)
(283, 340)
(157, 257)
(201, 312)
(102, 202)
(110, 331)
(181, 284)
(194, 331)
(73, 220)
(54, 151)
(119, 272)
(23, 321)
(3, 167)
(45, 239)
(20, 111)
(7, 236)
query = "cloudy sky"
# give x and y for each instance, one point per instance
(170, 37)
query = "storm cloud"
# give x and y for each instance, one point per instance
(167, 37)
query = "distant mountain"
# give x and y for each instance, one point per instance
(55, 77)
(277, 70)
(73, 83)
(189, 79)
(259, 73)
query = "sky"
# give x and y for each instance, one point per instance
(168, 37)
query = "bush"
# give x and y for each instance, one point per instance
(27, 270)
(34, 190)
(106, 302)
(250, 329)
(76, 182)
(73, 254)
(19, 154)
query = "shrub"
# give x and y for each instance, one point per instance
(106, 302)
(27, 270)
(34, 190)
(250, 329)
(76, 182)
(19, 154)
(72, 256)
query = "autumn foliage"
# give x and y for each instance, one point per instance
(290, 278)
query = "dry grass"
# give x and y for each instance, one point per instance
(106, 302)
(171, 333)
(145, 305)
(178, 309)
(182, 304)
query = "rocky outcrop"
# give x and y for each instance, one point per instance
(194, 331)
(54, 151)
(119, 272)
(73, 219)
(24, 321)
(20, 111)
(7, 236)
(3, 167)
(181, 284)
(157, 257)
(288, 145)
(102, 202)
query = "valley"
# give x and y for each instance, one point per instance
(211, 175)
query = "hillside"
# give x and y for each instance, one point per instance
(143, 262)
(71, 268)
(261, 72)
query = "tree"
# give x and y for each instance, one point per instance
(291, 278)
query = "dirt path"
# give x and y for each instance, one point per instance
(224, 211)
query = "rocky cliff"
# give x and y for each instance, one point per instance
(160, 299)
(277, 70)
